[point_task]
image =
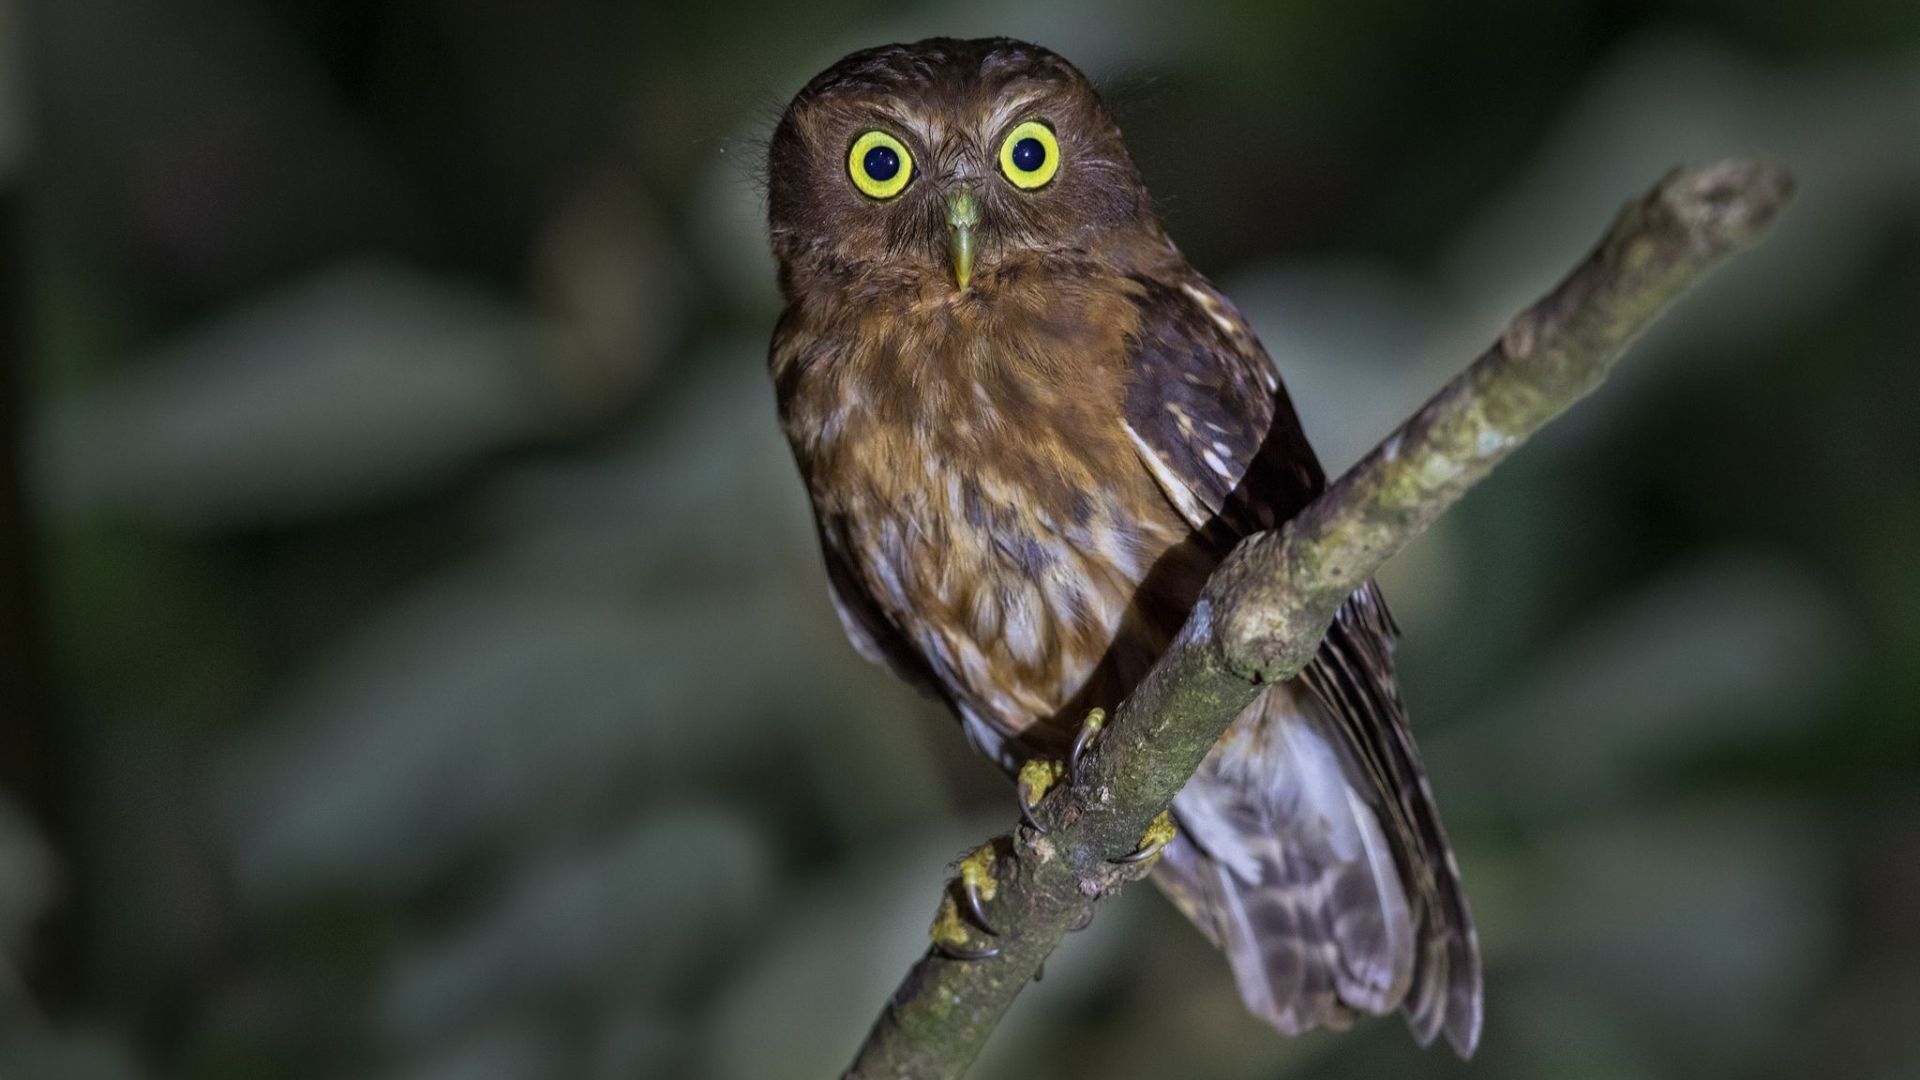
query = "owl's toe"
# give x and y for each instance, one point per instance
(1083, 741)
(963, 916)
(1037, 777)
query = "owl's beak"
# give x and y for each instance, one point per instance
(963, 213)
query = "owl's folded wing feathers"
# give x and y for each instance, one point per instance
(1212, 424)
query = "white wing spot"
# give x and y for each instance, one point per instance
(1212, 307)
(1177, 492)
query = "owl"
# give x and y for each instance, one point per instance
(1029, 431)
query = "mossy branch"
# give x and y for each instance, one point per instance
(1263, 613)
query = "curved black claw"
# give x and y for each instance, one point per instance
(954, 952)
(976, 912)
(1027, 818)
(1083, 741)
(1159, 835)
(1146, 851)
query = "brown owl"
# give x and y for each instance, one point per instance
(1030, 431)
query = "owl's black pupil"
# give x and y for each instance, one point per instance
(881, 163)
(1029, 154)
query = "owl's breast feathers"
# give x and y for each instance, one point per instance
(975, 462)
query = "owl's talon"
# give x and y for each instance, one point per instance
(1090, 729)
(963, 912)
(976, 914)
(1159, 835)
(1027, 818)
(1037, 777)
(974, 887)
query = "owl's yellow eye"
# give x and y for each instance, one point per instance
(1030, 156)
(879, 164)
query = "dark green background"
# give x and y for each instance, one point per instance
(425, 670)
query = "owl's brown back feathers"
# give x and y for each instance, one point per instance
(1023, 477)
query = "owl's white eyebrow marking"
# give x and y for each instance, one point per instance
(1008, 111)
(903, 119)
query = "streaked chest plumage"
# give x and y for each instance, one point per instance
(981, 489)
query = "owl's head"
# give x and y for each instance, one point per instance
(947, 160)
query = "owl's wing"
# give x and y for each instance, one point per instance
(1209, 418)
(1317, 925)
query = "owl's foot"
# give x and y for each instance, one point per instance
(1037, 777)
(951, 933)
(1159, 835)
(1083, 741)
(1041, 775)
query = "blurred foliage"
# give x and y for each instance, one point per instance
(439, 682)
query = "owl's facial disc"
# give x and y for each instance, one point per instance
(963, 216)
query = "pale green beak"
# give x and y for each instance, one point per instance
(963, 213)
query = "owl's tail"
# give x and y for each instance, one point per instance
(1283, 862)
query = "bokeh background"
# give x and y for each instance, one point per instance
(414, 659)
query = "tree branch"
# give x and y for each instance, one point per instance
(1263, 613)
